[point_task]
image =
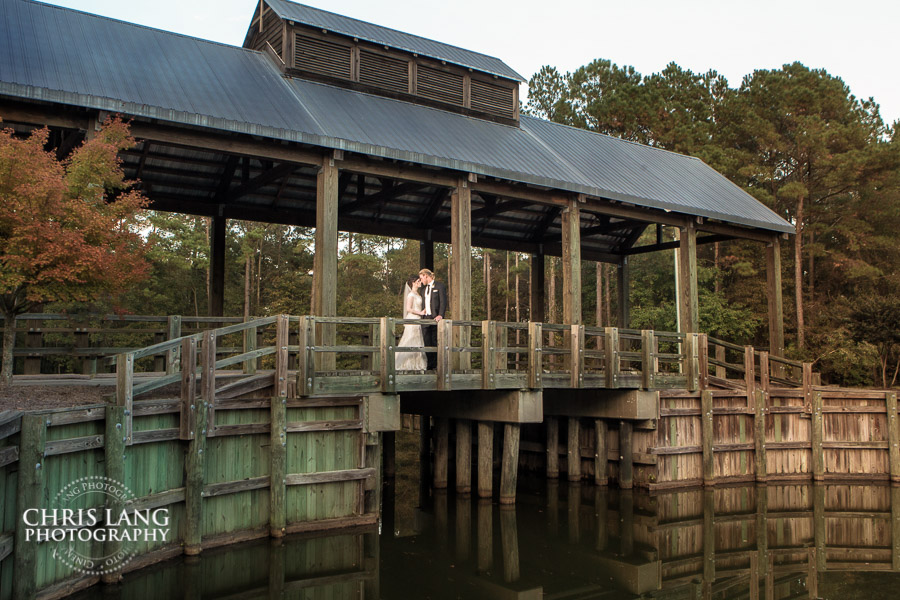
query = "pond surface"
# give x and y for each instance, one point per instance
(566, 541)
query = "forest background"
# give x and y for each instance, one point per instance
(794, 138)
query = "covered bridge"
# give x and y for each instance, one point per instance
(323, 120)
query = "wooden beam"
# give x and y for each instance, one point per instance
(571, 250)
(536, 306)
(461, 251)
(437, 201)
(217, 266)
(324, 301)
(545, 223)
(426, 254)
(706, 239)
(775, 299)
(486, 212)
(687, 280)
(389, 192)
(263, 179)
(623, 289)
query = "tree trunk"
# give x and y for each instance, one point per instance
(718, 279)
(798, 274)
(247, 263)
(9, 342)
(811, 275)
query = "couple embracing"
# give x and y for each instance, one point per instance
(423, 298)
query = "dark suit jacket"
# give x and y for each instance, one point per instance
(439, 304)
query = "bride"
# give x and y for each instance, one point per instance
(412, 334)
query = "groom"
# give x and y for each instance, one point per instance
(435, 305)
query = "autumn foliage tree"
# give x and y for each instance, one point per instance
(67, 228)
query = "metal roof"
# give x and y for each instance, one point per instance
(322, 19)
(93, 62)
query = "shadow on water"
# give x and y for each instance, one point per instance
(565, 541)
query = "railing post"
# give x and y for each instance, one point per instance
(807, 386)
(114, 470)
(703, 359)
(764, 370)
(444, 345)
(278, 431)
(188, 388)
(577, 355)
(195, 458)
(208, 379)
(721, 373)
(759, 422)
(749, 370)
(83, 342)
(125, 389)
(388, 373)
(29, 493)
(250, 346)
(818, 435)
(601, 449)
(649, 361)
(692, 361)
(893, 436)
(173, 332)
(159, 360)
(535, 355)
(488, 354)
(706, 434)
(612, 357)
(282, 335)
(306, 367)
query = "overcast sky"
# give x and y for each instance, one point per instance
(854, 41)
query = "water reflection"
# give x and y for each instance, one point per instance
(569, 541)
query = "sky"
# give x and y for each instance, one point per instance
(856, 42)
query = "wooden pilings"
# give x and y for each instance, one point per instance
(510, 465)
(463, 456)
(441, 449)
(552, 427)
(485, 458)
(574, 449)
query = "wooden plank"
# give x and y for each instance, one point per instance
(611, 345)
(576, 356)
(306, 366)
(194, 460)
(895, 528)
(510, 463)
(818, 435)
(444, 361)
(124, 389)
(649, 361)
(9, 455)
(282, 325)
(208, 379)
(250, 342)
(158, 500)
(574, 449)
(552, 427)
(29, 494)
(535, 356)
(388, 371)
(709, 465)
(601, 449)
(687, 279)
(759, 437)
(188, 405)
(893, 425)
(703, 360)
(334, 425)
(173, 356)
(324, 300)
(224, 488)
(441, 450)
(463, 456)
(242, 387)
(78, 444)
(626, 455)
(242, 429)
(485, 459)
(489, 355)
(329, 476)
(114, 469)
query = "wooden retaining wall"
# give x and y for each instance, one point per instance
(260, 466)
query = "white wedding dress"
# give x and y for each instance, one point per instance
(412, 336)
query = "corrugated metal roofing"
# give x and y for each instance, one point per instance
(95, 62)
(322, 19)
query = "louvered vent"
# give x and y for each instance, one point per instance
(272, 33)
(493, 99)
(385, 72)
(441, 86)
(321, 56)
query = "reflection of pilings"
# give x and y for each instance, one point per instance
(371, 563)
(895, 528)
(510, 466)
(485, 535)
(485, 459)
(440, 516)
(600, 452)
(441, 449)
(626, 456)
(819, 524)
(812, 578)
(770, 577)
(509, 541)
(574, 449)
(463, 526)
(762, 535)
(463, 456)
(424, 460)
(389, 454)
(552, 447)
(192, 578)
(754, 576)
(573, 507)
(626, 522)
(601, 510)
(709, 541)
(276, 568)
(553, 507)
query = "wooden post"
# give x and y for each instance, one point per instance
(649, 360)
(623, 285)
(612, 357)
(535, 356)
(601, 449)
(510, 465)
(709, 463)
(812, 577)
(759, 425)
(461, 264)
(208, 379)
(194, 459)
(571, 259)
(818, 435)
(306, 363)
(709, 537)
(89, 363)
(895, 528)
(692, 361)
(278, 433)
(29, 494)
(463, 456)
(389, 453)
(125, 389)
(687, 280)
(34, 338)
(324, 290)
(485, 459)
(488, 355)
(552, 426)
(807, 387)
(764, 379)
(444, 363)
(249, 365)
(626, 455)
(893, 425)
(536, 306)
(509, 543)
(217, 266)
(774, 295)
(388, 372)
(441, 450)
(720, 357)
(703, 360)
(173, 332)
(576, 356)
(819, 526)
(754, 575)
(114, 469)
(188, 388)
(426, 254)
(574, 449)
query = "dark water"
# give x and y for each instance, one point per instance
(569, 542)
